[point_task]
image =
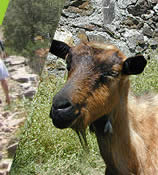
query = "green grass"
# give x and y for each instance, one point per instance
(45, 150)
(148, 80)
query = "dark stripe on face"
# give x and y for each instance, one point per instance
(104, 71)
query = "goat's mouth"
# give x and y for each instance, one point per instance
(65, 117)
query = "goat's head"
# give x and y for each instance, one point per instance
(95, 73)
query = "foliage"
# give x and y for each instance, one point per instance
(26, 20)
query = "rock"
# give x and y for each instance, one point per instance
(1, 156)
(142, 7)
(135, 40)
(130, 25)
(148, 16)
(29, 93)
(5, 114)
(12, 149)
(1, 147)
(15, 60)
(23, 77)
(6, 166)
(153, 44)
(14, 68)
(124, 4)
(16, 122)
(154, 1)
(155, 35)
(6, 129)
(26, 85)
(2, 172)
(155, 18)
(82, 7)
(9, 167)
(20, 78)
(156, 8)
(108, 11)
(148, 32)
(1, 124)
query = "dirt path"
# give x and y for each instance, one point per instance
(13, 116)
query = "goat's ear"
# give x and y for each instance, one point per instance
(134, 65)
(59, 48)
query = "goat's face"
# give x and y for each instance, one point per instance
(95, 74)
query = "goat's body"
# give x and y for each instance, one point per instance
(97, 94)
(132, 149)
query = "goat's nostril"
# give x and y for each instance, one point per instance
(63, 104)
(66, 105)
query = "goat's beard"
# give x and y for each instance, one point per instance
(79, 128)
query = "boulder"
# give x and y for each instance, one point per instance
(12, 149)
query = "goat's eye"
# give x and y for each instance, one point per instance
(114, 74)
(104, 78)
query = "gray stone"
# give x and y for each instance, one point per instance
(148, 16)
(156, 8)
(7, 130)
(153, 44)
(129, 24)
(12, 149)
(154, 1)
(108, 11)
(148, 32)
(25, 86)
(1, 124)
(2, 172)
(155, 18)
(15, 60)
(155, 35)
(29, 93)
(16, 122)
(5, 114)
(1, 156)
(4, 165)
(22, 76)
(142, 7)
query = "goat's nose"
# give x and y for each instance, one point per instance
(62, 112)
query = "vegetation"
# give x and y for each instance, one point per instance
(147, 81)
(29, 25)
(26, 20)
(45, 150)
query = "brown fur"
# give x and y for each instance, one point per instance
(132, 149)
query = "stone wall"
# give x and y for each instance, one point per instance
(132, 25)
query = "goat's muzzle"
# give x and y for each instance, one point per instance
(62, 112)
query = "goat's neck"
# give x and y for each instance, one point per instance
(118, 148)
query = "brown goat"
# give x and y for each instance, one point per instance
(96, 94)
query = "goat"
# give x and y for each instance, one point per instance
(97, 94)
